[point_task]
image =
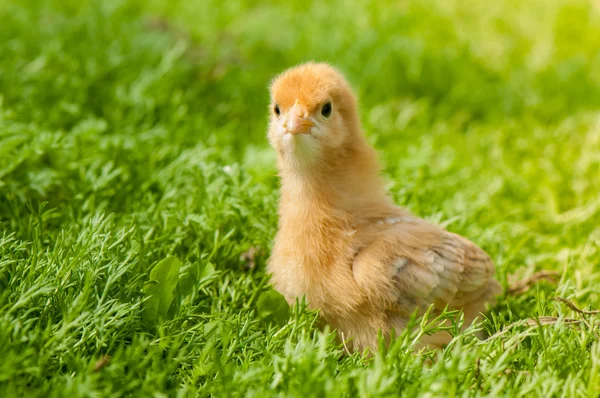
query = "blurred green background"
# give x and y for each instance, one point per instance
(131, 130)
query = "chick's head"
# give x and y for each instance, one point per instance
(312, 112)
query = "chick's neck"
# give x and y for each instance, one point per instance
(345, 181)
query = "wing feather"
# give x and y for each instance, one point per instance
(414, 264)
(450, 271)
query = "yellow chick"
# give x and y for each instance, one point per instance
(364, 262)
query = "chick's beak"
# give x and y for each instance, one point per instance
(298, 122)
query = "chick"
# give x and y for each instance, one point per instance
(364, 262)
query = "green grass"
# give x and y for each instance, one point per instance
(133, 130)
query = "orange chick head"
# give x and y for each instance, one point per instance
(312, 112)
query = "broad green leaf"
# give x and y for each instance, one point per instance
(160, 290)
(272, 307)
(187, 280)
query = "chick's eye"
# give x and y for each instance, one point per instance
(326, 110)
(276, 110)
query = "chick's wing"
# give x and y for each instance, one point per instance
(414, 265)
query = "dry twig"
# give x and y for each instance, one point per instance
(102, 362)
(534, 322)
(521, 287)
(572, 306)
